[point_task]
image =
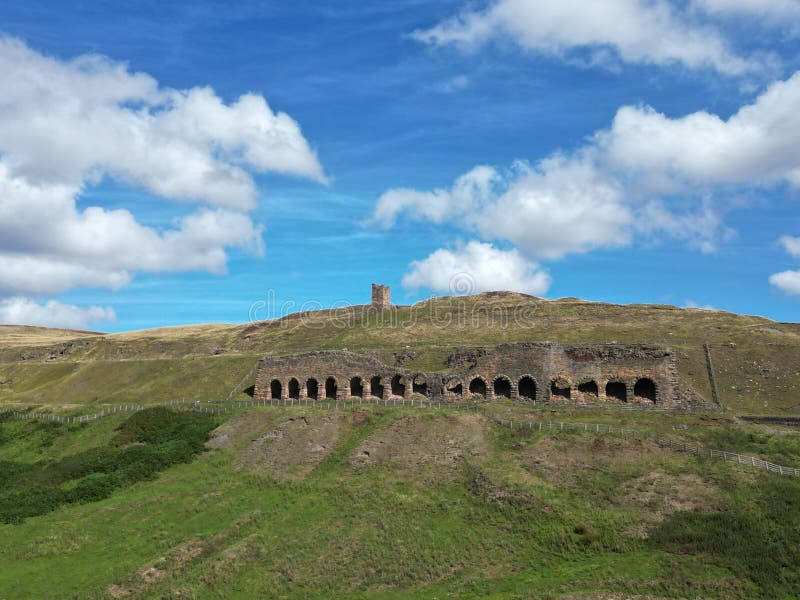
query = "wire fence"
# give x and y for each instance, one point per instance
(221, 407)
(664, 442)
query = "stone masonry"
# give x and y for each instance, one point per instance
(533, 372)
(381, 296)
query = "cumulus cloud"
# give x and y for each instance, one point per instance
(788, 281)
(755, 145)
(693, 304)
(468, 191)
(24, 311)
(75, 121)
(638, 31)
(790, 244)
(560, 206)
(646, 175)
(773, 10)
(64, 125)
(477, 267)
(48, 246)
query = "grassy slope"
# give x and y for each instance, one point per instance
(531, 515)
(756, 359)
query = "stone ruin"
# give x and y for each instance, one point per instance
(532, 372)
(381, 296)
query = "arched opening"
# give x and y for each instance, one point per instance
(356, 387)
(527, 388)
(589, 388)
(420, 385)
(455, 387)
(330, 387)
(502, 387)
(645, 389)
(398, 387)
(376, 387)
(312, 389)
(275, 389)
(615, 390)
(294, 389)
(478, 387)
(560, 389)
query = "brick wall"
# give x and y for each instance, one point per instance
(592, 374)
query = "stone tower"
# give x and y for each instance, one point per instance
(380, 296)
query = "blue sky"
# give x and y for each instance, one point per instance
(394, 103)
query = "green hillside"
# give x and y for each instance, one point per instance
(383, 502)
(391, 503)
(757, 361)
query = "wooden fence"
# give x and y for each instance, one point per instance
(220, 407)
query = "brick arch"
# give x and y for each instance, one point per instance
(560, 388)
(331, 387)
(646, 388)
(589, 387)
(312, 388)
(478, 386)
(376, 386)
(420, 387)
(616, 390)
(293, 387)
(454, 386)
(398, 385)
(524, 389)
(356, 386)
(275, 389)
(501, 386)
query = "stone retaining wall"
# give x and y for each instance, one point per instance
(540, 372)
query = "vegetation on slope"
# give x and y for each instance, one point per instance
(145, 444)
(756, 359)
(383, 503)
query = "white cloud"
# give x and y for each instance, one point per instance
(701, 228)
(646, 175)
(559, 207)
(562, 206)
(768, 9)
(638, 31)
(24, 311)
(468, 191)
(787, 281)
(477, 267)
(790, 244)
(64, 125)
(693, 304)
(756, 145)
(72, 122)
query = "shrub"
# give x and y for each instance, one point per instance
(145, 444)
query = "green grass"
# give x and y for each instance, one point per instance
(144, 445)
(499, 524)
(756, 359)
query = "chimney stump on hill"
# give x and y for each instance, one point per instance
(381, 296)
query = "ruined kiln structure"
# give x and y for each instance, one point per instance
(381, 296)
(540, 372)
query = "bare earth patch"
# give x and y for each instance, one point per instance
(610, 596)
(660, 494)
(563, 458)
(411, 443)
(240, 429)
(161, 568)
(295, 446)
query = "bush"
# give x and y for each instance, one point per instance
(145, 444)
(589, 536)
(761, 539)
